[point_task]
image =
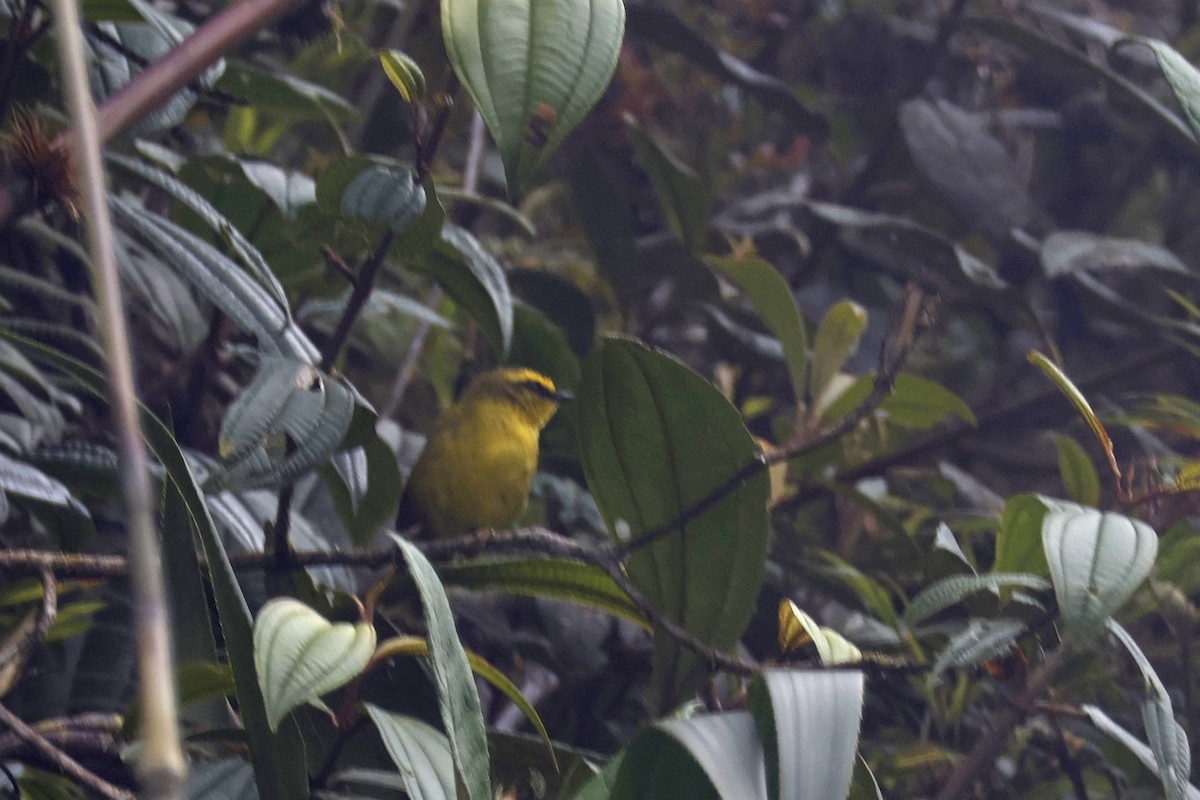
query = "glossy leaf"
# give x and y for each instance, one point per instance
(646, 462)
(458, 698)
(772, 297)
(405, 74)
(420, 752)
(533, 76)
(1097, 559)
(808, 724)
(299, 655)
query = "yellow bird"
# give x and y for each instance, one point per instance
(478, 463)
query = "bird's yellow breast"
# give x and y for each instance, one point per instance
(477, 465)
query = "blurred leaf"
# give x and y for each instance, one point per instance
(1068, 388)
(836, 340)
(646, 465)
(705, 757)
(279, 759)
(604, 212)
(545, 577)
(954, 589)
(367, 498)
(299, 655)
(913, 250)
(1065, 253)
(405, 74)
(1019, 537)
(981, 640)
(772, 297)
(383, 195)
(1143, 753)
(1182, 77)
(1125, 95)
(420, 752)
(797, 629)
(227, 779)
(458, 698)
(289, 419)
(561, 301)
(249, 256)
(680, 192)
(284, 94)
(219, 279)
(533, 76)
(808, 724)
(664, 29)
(1077, 471)
(1097, 559)
(969, 166)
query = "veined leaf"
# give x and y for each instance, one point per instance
(646, 463)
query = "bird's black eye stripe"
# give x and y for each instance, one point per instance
(540, 389)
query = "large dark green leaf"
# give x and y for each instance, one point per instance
(656, 439)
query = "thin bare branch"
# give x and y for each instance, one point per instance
(61, 760)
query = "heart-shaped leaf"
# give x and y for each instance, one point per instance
(1096, 560)
(300, 655)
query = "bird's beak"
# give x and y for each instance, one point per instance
(562, 395)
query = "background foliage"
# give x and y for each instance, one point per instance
(882, 318)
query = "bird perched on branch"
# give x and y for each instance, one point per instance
(478, 463)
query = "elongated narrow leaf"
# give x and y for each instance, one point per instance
(416, 646)
(246, 252)
(279, 759)
(405, 74)
(299, 655)
(772, 297)
(545, 577)
(420, 752)
(1144, 754)
(1096, 561)
(656, 439)
(1182, 77)
(949, 591)
(474, 280)
(797, 630)
(808, 725)
(980, 640)
(457, 696)
(219, 279)
(681, 193)
(533, 67)
(1068, 388)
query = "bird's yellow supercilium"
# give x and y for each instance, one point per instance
(478, 463)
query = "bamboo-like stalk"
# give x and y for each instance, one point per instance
(161, 768)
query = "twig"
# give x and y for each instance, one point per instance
(987, 748)
(475, 149)
(61, 760)
(17, 650)
(917, 317)
(162, 770)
